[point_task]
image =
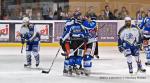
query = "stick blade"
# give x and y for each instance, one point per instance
(46, 72)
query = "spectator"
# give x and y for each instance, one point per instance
(143, 15)
(116, 15)
(38, 16)
(102, 16)
(55, 16)
(29, 12)
(6, 17)
(45, 11)
(123, 13)
(50, 16)
(108, 13)
(91, 12)
(139, 14)
(63, 15)
(59, 12)
(68, 15)
(20, 17)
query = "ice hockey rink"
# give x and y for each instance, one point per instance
(110, 68)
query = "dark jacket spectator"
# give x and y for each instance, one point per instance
(140, 14)
(102, 16)
(123, 13)
(116, 15)
(38, 16)
(55, 16)
(50, 16)
(108, 13)
(91, 12)
(45, 11)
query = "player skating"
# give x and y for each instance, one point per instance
(31, 37)
(129, 44)
(66, 45)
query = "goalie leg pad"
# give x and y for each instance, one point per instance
(87, 62)
(35, 52)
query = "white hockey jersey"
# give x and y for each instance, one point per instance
(130, 35)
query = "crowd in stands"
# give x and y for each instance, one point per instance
(46, 13)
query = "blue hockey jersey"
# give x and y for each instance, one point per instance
(145, 26)
(31, 35)
(74, 31)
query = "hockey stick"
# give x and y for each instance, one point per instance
(43, 71)
(75, 49)
(46, 72)
(22, 48)
(102, 26)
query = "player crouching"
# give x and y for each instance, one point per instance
(129, 42)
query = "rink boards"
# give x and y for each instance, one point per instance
(52, 30)
(53, 44)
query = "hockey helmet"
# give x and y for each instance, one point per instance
(127, 18)
(26, 20)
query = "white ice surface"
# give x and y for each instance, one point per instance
(110, 68)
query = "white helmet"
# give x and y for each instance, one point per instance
(26, 19)
(127, 19)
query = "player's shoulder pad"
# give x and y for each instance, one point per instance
(121, 29)
(147, 19)
(134, 26)
(93, 24)
(85, 23)
(69, 22)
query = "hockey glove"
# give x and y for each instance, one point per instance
(120, 48)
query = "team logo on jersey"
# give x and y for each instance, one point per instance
(76, 29)
(129, 36)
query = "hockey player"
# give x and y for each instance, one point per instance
(66, 44)
(91, 27)
(129, 43)
(32, 37)
(78, 36)
(145, 26)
